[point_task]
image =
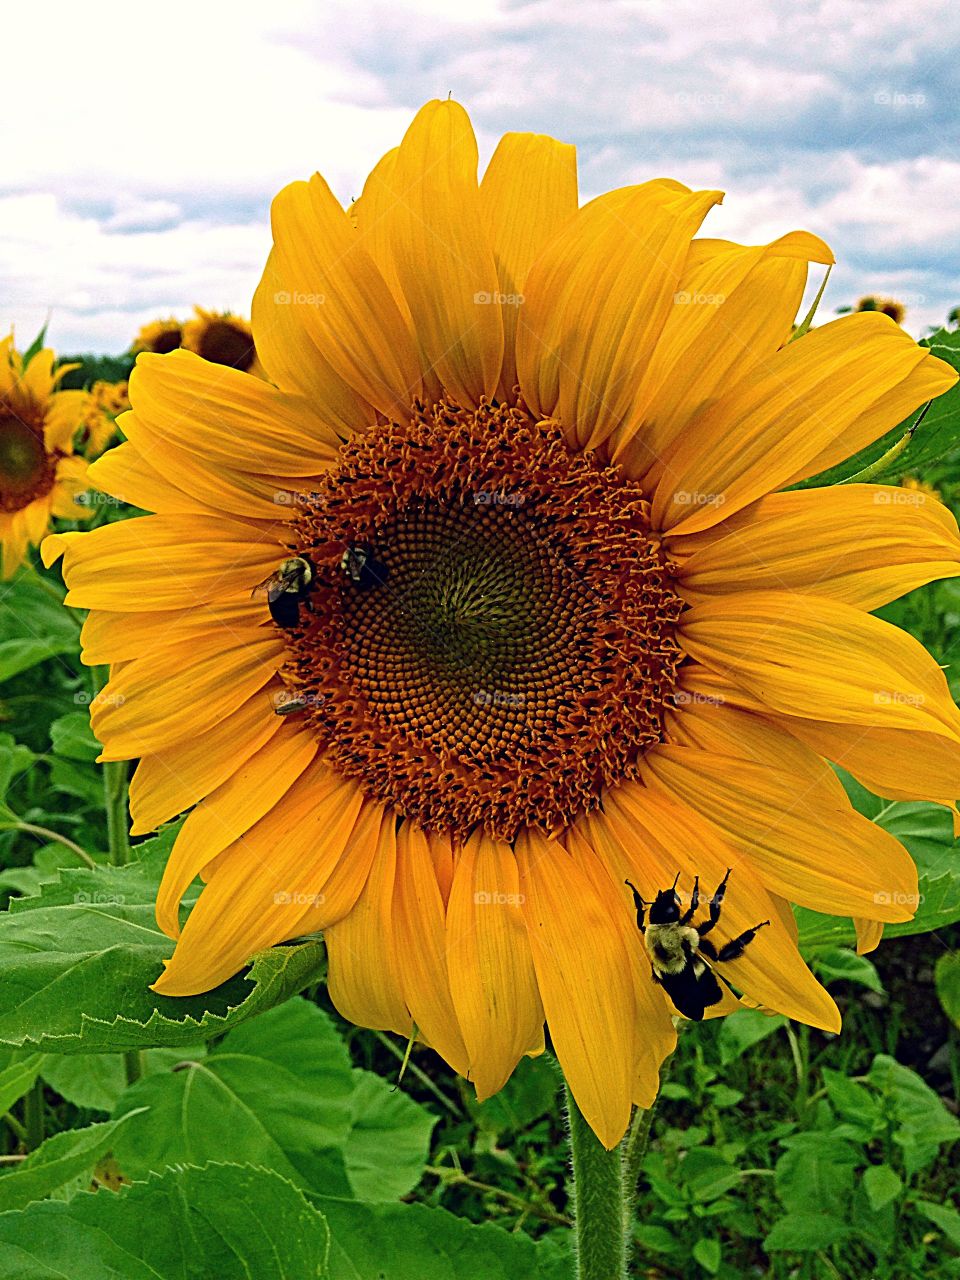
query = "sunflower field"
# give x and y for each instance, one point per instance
(480, 755)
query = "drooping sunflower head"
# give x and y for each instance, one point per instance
(159, 336)
(501, 597)
(222, 338)
(38, 475)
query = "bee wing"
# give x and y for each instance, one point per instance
(263, 589)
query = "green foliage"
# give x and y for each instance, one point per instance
(224, 1220)
(78, 959)
(937, 435)
(279, 1093)
(56, 1162)
(926, 830)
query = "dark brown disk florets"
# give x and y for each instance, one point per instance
(512, 654)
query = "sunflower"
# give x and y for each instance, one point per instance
(562, 622)
(222, 338)
(159, 336)
(107, 401)
(887, 306)
(39, 476)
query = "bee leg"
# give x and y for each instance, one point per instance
(735, 948)
(694, 902)
(707, 948)
(716, 902)
(639, 904)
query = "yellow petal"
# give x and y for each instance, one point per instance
(585, 980)
(295, 364)
(155, 701)
(597, 300)
(606, 867)
(803, 841)
(420, 935)
(863, 544)
(733, 309)
(256, 787)
(828, 662)
(264, 884)
(441, 252)
(168, 782)
(492, 981)
(228, 418)
(528, 192)
(161, 562)
(120, 637)
(363, 976)
(898, 764)
(340, 299)
(810, 397)
(728, 730)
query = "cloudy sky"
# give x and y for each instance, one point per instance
(142, 143)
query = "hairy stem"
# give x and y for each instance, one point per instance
(598, 1202)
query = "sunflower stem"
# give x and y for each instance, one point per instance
(598, 1202)
(118, 840)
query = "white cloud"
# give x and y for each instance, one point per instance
(138, 177)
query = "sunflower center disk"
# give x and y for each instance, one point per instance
(26, 471)
(509, 650)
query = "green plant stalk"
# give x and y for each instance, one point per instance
(598, 1202)
(33, 1116)
(118, 839)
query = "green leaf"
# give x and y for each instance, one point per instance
(882, 1185)
(31, 607)
(35, 347)
(947, 979)
(529, 1094)
(14, 758)
(18, 1077)
(926, 830)
(803, 1232)
(225, 1221)
(942, 1216)
(276, 1093)
(56, 1162)
(96, 1081)
(389, 1140)
(29, 651)
(72, 737)
(815, 1172)
(706, 1174)
(707, 1253)
(923, 1122)
(412, 1242)
(936, 436)
(743, 1029)
(854, 1102)
(835, 964)
(77, 960)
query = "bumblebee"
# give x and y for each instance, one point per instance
(680, 955)
(358, 563)
(287, 589)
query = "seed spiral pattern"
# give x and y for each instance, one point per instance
(512, 651)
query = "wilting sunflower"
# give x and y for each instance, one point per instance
(159, 336)
(39, 476)
(222, 338)
(558, 623)
(107, 401)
